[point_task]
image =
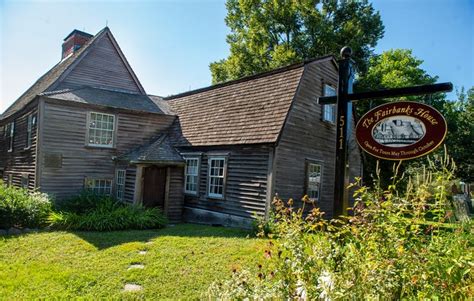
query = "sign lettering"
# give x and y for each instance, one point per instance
(401, 130)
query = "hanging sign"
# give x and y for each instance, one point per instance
(401, 130)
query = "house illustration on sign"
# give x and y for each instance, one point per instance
(214, 155)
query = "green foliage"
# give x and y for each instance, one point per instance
(267, 34)
(102, 213)
(19, 208)
(459, 115)
(397, 245)
(264, 226)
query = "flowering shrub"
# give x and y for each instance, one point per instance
(397, 245)
(20, 208)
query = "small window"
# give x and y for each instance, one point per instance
(101, 129)
(191, 176)
(24, 181)
(9, 134)
(120, 184)
(216, 177)
(31, 120)
(313, 181)
(99, 186)
(329, 111)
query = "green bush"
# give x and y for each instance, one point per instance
(397, 245)
(103, 213)
(19, 208)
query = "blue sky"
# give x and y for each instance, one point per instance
(171, 43)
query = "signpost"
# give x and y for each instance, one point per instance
(376, 134)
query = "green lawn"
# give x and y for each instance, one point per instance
(180, 262)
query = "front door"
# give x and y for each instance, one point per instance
(154, 183)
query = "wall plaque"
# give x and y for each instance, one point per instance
(401, 130)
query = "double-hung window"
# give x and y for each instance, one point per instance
(101, 129)
(29, 129)
(216, 177)
(120, 184)
(191, 185)
(313, 180)
(329, 111)
(9, 134)
(99, 186)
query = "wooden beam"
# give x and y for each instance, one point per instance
(138, 193)
(388, 93)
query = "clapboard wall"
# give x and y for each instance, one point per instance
(246, 180)
(101, 66)
(21, 161)
(306, 136)
(63, 135)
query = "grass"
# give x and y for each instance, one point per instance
(180, 263)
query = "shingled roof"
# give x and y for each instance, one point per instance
(159, 150)
(48, 81)
(250, 110)
(114, 99)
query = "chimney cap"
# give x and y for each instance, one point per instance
(82, 33)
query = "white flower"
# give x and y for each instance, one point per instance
(326, 285)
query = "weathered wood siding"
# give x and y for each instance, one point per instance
(246, 181)
(306, 136)
(64, 134)
(22, 160)
(175, 194)
(102, 66)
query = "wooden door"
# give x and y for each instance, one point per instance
(154, 183)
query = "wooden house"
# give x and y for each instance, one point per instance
(215, 155)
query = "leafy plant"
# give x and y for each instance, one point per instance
(20, 208)
(397, 245)
(104, 213)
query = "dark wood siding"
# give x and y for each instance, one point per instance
(176, 194)
(101, 66)
(64, 134)
(21, 162)
(246, 181)
(306, 136)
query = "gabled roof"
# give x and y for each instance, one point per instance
(50, 79)
(114, 99)
(250, 110)
(159, 150)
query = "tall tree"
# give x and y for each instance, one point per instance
(460, 118)
(266, 34)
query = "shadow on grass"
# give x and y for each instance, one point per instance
(104, 240)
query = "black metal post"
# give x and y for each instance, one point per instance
(344, 130)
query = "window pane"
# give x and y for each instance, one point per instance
(101, 129)
(314, 180)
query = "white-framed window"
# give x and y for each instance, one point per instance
(9, 134)
(329, 111)
(313, 180)
(120, 184)
(101, 129)
(99, 186)
(191, 176)
(216, 177)
(29, 130)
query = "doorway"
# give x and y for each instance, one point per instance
(154, 186)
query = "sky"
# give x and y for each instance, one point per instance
(170, 44)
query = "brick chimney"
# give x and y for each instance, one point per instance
(74, 41)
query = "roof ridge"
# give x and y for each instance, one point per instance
(48, 84)
(248, 77)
